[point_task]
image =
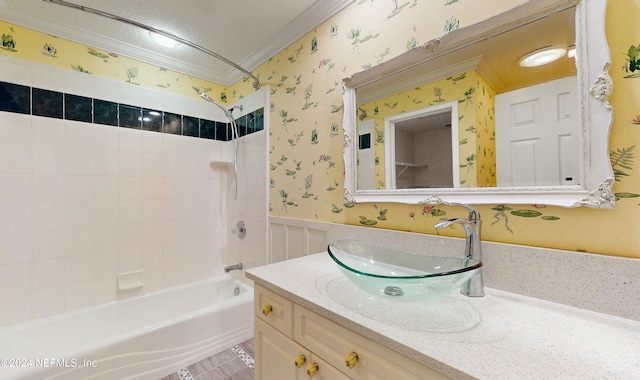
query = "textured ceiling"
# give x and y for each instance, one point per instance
(246, 32)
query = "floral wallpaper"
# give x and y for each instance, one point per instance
(305, 140)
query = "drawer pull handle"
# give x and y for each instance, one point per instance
(350, 360)
(267, 309)
(312, 369)
(299, 361)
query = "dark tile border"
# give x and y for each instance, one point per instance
(34, 101)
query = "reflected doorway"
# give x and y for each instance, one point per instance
(422, 148)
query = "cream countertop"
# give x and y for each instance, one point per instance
(500, 336)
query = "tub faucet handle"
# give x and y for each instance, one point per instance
(240, 229)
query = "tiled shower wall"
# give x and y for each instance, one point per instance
(82, 202)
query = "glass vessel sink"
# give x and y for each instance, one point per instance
(397, 275)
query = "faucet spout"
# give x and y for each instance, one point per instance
(473, 249)
(229, 268)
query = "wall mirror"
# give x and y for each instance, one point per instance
(468, 118)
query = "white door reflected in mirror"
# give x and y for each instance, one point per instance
(537, 139)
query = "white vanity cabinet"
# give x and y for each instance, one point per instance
(287, 333)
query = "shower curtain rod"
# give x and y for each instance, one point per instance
(256, 82)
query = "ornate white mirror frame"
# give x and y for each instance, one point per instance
(595, 114)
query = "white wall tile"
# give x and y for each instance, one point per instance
(129, 94)
(78, 268)
(15, 278)
(16, 248)
(130, 212)
(106, 137)
(152, 234)
(106, 263)
(78, 161)
(15, 308)
(106, 188)
(48, 273)
(106, 239)
(16, 218)
(47, 131)
(153, 279)
(48, 301)
(172, 275)
(152, 210)
(130, 188)
(47, 216)
(104, 289)
(16, 187)
(105, 89)
(49, 244)
(173, 188)
(153, 187)
(106, 213)
(130, 140)
(48, 188)
(15, 158)
(153, 99)
(172, 167)
(79, 188)
(78, 134)
(130, 259)
(78, 215)
(15, 128)
(130, 164)
(79, 241)
(47, 77)
(78, 295)
(172, 144)
(152, 165)
(47, 159)
(106, 163)
(130, 236)
(15, 70)
(153, 257)
(78, 83)
(152, 142)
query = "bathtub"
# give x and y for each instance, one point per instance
(145, 337)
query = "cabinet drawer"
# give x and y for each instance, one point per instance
(273, 309)
(275, 356)
(333, 343)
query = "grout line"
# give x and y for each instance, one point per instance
(242, 354)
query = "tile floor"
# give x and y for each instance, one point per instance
(235, 363)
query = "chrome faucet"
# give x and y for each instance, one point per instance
(473, 247)
(229, 268)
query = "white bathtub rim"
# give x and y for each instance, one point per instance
(197, 350)
(39, 322)
(4, 330)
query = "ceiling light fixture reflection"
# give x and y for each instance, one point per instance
(542, 56)
(163, 40)
(571, 53)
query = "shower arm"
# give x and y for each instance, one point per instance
(256, 81)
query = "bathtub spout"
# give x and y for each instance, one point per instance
(237, 266)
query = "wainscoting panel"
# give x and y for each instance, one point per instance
(291, 238)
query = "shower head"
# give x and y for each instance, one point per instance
(227, 113)
(240, 107)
